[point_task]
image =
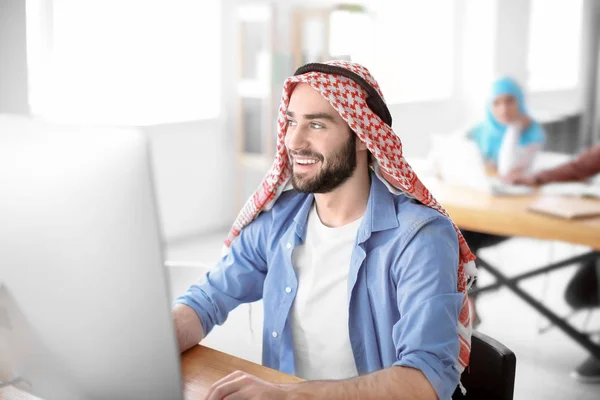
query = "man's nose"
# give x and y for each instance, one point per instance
(296, 138)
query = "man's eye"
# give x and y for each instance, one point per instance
(291, 122)
(315, 125)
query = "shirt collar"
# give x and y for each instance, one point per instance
(381, 208)
(379, 215)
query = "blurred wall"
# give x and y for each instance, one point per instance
(13, 58)
(590, 71)
(194, 161)
(193, 171)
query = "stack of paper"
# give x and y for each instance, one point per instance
(567, 208)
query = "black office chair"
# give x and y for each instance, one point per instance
(491, 373)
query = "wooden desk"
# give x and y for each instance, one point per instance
(200, 367)
(508, 216)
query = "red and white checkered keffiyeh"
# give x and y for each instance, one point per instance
(349, 100)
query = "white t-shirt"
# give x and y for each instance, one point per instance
(319, 317)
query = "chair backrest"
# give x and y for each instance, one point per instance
(491, 372)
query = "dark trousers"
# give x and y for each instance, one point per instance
(582, 290)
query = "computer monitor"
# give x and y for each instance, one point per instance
(84, 303)
(460, 163)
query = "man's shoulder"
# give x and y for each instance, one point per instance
(421, 234)
(409, 209)
(413, 215)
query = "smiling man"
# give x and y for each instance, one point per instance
(362, 274)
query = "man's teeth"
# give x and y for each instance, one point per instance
(306, 162)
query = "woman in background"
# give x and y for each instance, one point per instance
(508, 140)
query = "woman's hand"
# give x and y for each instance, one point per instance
(522, 122)
(515, 176)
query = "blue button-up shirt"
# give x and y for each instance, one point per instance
(402, 280)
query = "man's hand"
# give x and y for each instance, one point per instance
(242, 386)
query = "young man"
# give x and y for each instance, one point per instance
(583, 289)
(362, 274)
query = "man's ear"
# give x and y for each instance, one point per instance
(360, 145)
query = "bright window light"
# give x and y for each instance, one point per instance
(128, 62)
(554, 44)
(414, 49)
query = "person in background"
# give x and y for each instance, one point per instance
(582, 290)
(508, 140)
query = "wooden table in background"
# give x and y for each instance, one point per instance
(508, 216)
(200, 367)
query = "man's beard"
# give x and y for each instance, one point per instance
(340, 167)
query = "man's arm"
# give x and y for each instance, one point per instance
(237, 278)
(188, 327)
(394, 383)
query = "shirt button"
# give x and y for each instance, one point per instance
(274, 334)
(289, 246)
(288, 289)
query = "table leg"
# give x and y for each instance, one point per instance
(511, 284)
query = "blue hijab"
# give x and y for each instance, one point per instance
(489, 134)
